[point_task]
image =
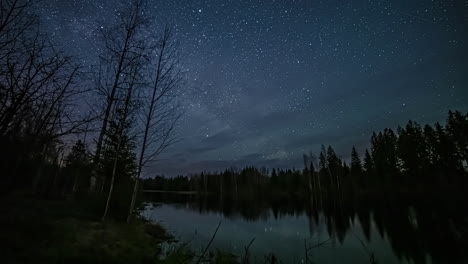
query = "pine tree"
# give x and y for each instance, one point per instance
(323, 165)
(78, 165)
(384, 154)
(356, 165)
(447, 151)
(118, 165)
(334, 166)
(430, 143)
(457, 130)
(126, 158)
(412, 149)
(368, 162)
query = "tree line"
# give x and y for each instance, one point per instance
(65, 130)
(414, 158)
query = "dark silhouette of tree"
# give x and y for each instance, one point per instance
(412, 149)
(334, 167)
(368, 162)
(125, 46)
(39, 94)
(457, 129)
(78, 165)
(430, 145)
(384, 154)
(447, 151)
(323, 158)
(356, 165)
(118, 163)
(160, 110)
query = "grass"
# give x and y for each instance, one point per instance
(38, 230)
(56, 231)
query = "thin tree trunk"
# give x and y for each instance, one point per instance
(111, 188)
(105, 121)
(39, 169)
(129, 32)
(132, 203)
(149, 118)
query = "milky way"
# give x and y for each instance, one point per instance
(270, 80)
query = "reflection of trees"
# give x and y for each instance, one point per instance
(414, 228)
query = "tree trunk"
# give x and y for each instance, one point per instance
(111, 188)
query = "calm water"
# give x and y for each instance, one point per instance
(351, 231)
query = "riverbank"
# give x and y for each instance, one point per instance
(38, 230)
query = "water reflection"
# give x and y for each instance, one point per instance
(394, 230)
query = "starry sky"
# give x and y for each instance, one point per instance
(270, 80)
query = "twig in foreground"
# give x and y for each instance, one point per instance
(207, 246)
(247, 254)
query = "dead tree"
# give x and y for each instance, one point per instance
(160, 110)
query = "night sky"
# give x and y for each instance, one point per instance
(270, 80)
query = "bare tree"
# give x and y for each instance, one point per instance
(124, 45)
(16, 21)
(39, 85)
(160, 110)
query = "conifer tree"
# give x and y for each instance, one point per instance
(368, 162)
(77, 165)
(356, 165)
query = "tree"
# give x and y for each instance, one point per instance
(323, 165)
(77, 164)
(356, 165)
(368, 162)
(125, 110)
(119, 148)
(447, 151)
(308, 172)
(412, 149)
(457, 129)
(334, 166)
(125, 45)
(39, 91)
(160, 109)
(384, 153)
(17, 20)
(430, 143)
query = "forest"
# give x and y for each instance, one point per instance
(47, 121)
(63, 199)
(414, 159)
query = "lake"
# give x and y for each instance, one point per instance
(352, 230)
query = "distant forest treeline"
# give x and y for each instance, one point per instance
(411, 159)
